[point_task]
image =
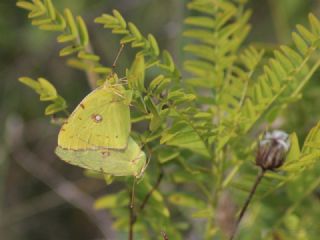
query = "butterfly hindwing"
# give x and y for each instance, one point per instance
(129, 161)
(101, 120)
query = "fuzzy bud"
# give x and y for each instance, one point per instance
(272, 150)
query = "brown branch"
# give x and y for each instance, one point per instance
(132, 219)
(247, 202)
(147, 197)
(134, 216)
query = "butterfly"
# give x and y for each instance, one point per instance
(96, 136)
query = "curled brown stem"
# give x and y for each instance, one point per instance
(247, 202)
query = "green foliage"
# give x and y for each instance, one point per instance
(72, 31)
(131, 34)
(47, 92)
(198, 129)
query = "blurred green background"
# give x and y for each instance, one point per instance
(40, 196)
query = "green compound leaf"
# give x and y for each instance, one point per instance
(43, 87)
(154, 45)
(58, 105)
(135, 31)
(112, 201)
(71, 30)
(120, 19)
(136, 74)
(47, 92)
(294, 152)
(26, 5)
(83, 31)
(184, 200)
(167, 154)
(184, 136)
(31, 83)
(159, 83)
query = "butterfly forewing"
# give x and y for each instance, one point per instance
(101, 120)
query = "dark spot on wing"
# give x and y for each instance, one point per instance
(81, 105)
(133, 161)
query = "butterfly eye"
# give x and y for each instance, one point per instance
(96, 117)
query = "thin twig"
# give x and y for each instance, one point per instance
(247, 202)
(147, 197)
(134, 216)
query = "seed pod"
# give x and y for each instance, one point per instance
(272, 150)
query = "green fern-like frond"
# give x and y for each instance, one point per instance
(189, 131)
(218, 32)
(47, 92)
(281, 82)
(237, 86)
(285, 75)
(73, 33)
(215, 65)
(147, 46)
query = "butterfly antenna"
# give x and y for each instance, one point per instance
(111, 74)
(117, 57)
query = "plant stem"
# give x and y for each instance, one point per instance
(147, 197)
(247, 202)
(132, 215)
(132, 220)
